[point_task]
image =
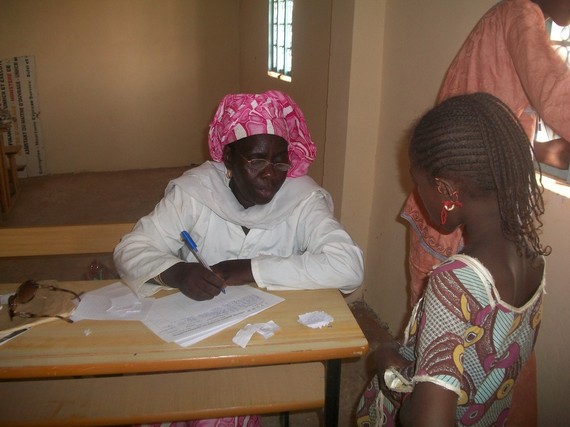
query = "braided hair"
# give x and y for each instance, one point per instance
(476, 141)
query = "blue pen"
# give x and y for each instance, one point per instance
(194, 250)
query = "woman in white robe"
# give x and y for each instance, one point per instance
(255, 215)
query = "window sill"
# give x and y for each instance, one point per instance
(275, 75)
(556, 186)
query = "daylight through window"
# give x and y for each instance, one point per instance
(280, 39)
(560, 37)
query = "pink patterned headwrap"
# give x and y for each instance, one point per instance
(272, 112)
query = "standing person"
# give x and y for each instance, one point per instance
(478, 319)
(507, 54)
(253, 212)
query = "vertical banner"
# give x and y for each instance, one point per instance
(18, 95)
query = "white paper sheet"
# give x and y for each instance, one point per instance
(113, 302)
(177, 318)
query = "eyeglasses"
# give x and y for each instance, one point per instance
(26, 292)
(257, 165)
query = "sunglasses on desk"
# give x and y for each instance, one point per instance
(26, 292)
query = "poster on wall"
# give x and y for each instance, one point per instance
(18, 95)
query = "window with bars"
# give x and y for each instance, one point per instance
(280, 39)
(560, 37)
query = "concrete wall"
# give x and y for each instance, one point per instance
(128, 84)
(125, 84)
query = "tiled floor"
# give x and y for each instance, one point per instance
(124, 197)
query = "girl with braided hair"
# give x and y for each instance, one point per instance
(477, 321)
(507, 54)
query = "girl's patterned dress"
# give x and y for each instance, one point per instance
(463, 337)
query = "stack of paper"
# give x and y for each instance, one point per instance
(177, 318)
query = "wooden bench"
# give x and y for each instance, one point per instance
(132, 399)
(61, 240)
(127, 399)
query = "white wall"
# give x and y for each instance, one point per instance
(125, 84)
(553, 346)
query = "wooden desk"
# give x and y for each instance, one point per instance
(81, 373)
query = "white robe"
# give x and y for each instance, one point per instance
(294, 241)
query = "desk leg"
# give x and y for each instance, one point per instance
(284, 419)
(332, 392)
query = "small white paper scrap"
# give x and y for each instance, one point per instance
(315, 319)
(266, 330)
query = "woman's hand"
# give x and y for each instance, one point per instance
(193, 280)
(234, 272)
(555, 153)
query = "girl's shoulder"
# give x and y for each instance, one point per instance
(467, 273)
(463, 275)
(462, 262)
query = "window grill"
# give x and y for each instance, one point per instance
(280, 39)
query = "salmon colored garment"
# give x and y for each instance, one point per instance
(507, 54)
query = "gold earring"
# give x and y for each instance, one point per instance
(228, 174)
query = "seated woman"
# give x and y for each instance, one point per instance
(253, 213)
(477, 321)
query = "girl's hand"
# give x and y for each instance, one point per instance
(387, 357)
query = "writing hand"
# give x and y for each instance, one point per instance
(193, 280)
